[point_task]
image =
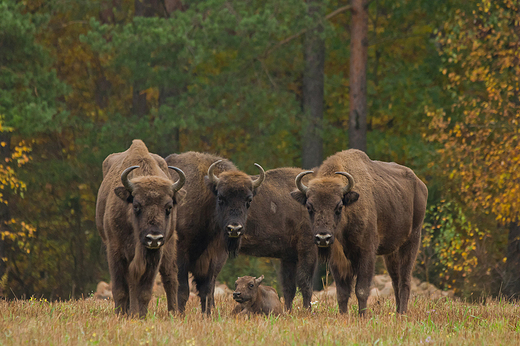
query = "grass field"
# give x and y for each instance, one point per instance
(93, 322)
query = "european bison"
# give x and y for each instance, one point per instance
(136, 219)
(279, 227)
(210, 221)
(378, 212)
(253, 298)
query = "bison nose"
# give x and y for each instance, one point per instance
(323, 240)
(236, 295)
(154, 241)
(234, 231)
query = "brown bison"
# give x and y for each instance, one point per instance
(253, 298)
(136, 217)
(279, 227)
(210, 221)
(379, 211)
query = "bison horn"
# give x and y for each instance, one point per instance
(182, 179)
(260, 180)
(350, 184)
(212, 178)
(124, 178)
(299, 183)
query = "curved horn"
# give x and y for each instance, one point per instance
(212, 178)
(350, 184)
(299, 183)
(261, 178)
(182, 179)
(124, 178)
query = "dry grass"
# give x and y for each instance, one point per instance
(84, 322)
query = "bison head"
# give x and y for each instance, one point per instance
(151, 201)
(325, 199)
(246, 288)
(234, 191)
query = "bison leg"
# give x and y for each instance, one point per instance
(407, 255)
(168, 272)
(392, 266)
(141, 294)
(118, 273)
(288, 269)
(364, 279)
(183, 292)
(343, 287)
(305, 272)
(206, 287)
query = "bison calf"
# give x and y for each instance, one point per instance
(252, 298)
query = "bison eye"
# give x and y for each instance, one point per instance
(338, 210)
(248, 202)
(169, 210)
(220, 200)
(251, 285)
(137, 209)
(310, 209)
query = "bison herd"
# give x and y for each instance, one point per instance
(187, 213)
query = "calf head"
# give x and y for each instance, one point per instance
(325, 199)
(246, 289)
(234, 191)
(151, 202)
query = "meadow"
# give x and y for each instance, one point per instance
(92, 322)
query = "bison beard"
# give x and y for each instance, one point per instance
(378, 212)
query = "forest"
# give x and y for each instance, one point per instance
(270, 82)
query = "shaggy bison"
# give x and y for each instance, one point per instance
(253, 298)
(379, 211)
(135, 217)
(210, 221)
(279, 227)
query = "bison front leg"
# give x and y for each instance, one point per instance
(288, 276)
(168, 272)
(304, 274)
(183, 291)
(364, 279)
(118, 275)
(142, 272)
(343, 287)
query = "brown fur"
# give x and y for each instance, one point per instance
(279, 227)
(382, 215)
(132, 265)
(204, 244)
(253, 298)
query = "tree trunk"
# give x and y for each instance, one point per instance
(314, 54)
(511, 287)
(358, 75)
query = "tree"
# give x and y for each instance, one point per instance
(479, 133)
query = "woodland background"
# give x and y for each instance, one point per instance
(258, 81)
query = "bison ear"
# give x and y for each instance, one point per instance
(123, 193)
(259, 280)
(211, 186)
(299, 196)
(178, 197)
(350, 197)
